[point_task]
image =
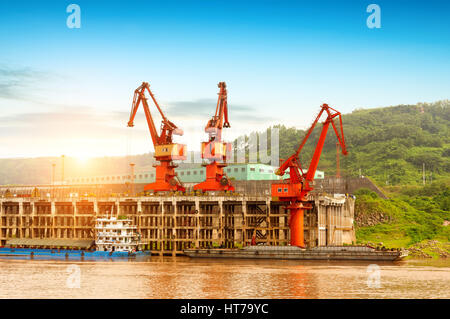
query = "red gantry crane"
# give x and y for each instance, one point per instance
(296, 188)
(165, 150)
(215, 150)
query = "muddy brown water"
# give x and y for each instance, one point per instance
(182, 277)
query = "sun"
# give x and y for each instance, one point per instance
(82, 158)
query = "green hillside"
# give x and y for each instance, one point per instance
(412, 217)
(392, 144)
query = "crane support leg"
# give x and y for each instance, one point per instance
(165, 179)
(216, 180)
(296, 227)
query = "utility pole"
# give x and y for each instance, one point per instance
(338, 168)
(53, 179)
(62, 169)
(423, 173)
(132, 178)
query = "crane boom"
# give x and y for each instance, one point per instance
(318, 151)
(222, 107)
(220, 119)
(167, 127)
(296, 174)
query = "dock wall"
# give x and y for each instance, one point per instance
(169, 224)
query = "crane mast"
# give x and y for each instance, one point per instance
(165, 150)
(215, 150)
(296, 188)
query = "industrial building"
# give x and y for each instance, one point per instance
(239, 172)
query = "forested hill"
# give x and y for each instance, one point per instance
(392, 144)
(389, 144)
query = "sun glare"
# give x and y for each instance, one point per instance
(82, 158)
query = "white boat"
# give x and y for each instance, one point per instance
(117, 235)
(114, 238)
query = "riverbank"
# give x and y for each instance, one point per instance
(428, 249)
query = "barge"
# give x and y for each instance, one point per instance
(114, 238)
(291, 252)
(67, 253)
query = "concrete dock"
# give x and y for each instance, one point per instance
(171, 224)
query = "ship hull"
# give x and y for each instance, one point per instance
(287, 252)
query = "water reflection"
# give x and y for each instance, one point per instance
(169, 277)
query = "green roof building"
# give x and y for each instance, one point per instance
(240, 172)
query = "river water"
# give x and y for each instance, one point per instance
(181, 277)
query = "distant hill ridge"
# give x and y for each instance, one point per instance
(389, 144)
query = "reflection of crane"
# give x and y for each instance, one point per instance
(296, 189)
(165, 150)
(215, 149)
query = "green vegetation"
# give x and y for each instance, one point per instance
(392, 144)
(414, 216)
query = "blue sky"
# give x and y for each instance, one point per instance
(69, 91)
